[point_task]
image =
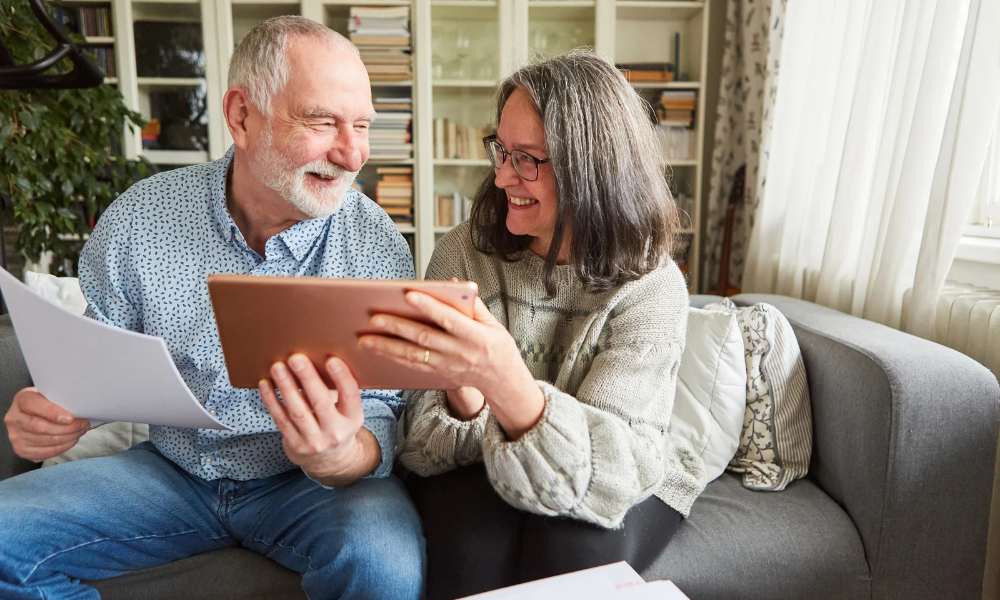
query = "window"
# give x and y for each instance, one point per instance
(985, 221)
(977, 259)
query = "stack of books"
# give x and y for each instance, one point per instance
(382, 35)
(677, 108)
(647, 72)
(400, 103)
(675, 122)
(453, 140)
(389, 136)
(394, 192)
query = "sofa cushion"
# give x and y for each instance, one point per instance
(711, 390)
(776, 442)
(741, 543)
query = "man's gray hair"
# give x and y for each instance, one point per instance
(260, 65)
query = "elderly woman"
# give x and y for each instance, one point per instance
(550, 450)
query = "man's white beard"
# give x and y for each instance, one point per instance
(289, 182)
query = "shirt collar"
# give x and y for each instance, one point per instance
(220, 173)
(298, 239)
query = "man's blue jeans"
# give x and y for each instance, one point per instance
(98, 518)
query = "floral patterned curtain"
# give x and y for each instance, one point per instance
(754, 30)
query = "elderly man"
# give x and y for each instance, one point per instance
(304, 481)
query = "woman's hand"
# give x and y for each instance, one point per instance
(475, 352)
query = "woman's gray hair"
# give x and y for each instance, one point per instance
(259, 64)
(611, 178)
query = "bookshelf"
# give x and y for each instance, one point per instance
(459, 50)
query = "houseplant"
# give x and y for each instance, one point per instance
(61, 162)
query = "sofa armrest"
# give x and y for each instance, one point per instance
(13, 376)
(904, 438)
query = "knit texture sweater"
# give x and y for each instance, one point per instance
(607, 366)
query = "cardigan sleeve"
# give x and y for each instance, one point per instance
(595, 454)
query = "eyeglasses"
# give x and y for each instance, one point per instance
(525, 165)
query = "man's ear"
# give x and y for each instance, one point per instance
(237, 109)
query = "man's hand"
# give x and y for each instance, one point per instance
(321, 429)
(39, 429)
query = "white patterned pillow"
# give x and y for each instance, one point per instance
(776, 441)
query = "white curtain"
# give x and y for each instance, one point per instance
(879, 140)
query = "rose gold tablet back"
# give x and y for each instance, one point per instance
(265, 319)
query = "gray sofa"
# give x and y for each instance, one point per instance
(896, 504)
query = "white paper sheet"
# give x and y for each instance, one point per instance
(96, 371)
(654, 590)
(599, 583)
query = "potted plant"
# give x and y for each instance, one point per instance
(61, 162)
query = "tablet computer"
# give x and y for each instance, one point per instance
(262, 320)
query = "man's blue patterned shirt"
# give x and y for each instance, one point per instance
(145, 268)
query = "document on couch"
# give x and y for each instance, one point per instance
(615, 581)
(96, 371)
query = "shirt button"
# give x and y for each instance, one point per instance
(212, 412)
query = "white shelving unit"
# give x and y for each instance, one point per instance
(461, 49)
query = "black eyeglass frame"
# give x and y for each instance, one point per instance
(491, 141)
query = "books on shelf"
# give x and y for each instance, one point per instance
(647, 72)
(95, 21)
(390, 135)
(393, 103)
(454, 140)
(451, 209)
(382, 35)
(394, 192)
(677, 108)
(104, 58)
(677, 143)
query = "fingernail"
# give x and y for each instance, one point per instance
(262, 385)
(378, 322)
(413, 297)
(333, 364)
(297, 361)
(366, 342)
(278, 370)
(65, 419)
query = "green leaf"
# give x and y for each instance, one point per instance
(28, 119)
